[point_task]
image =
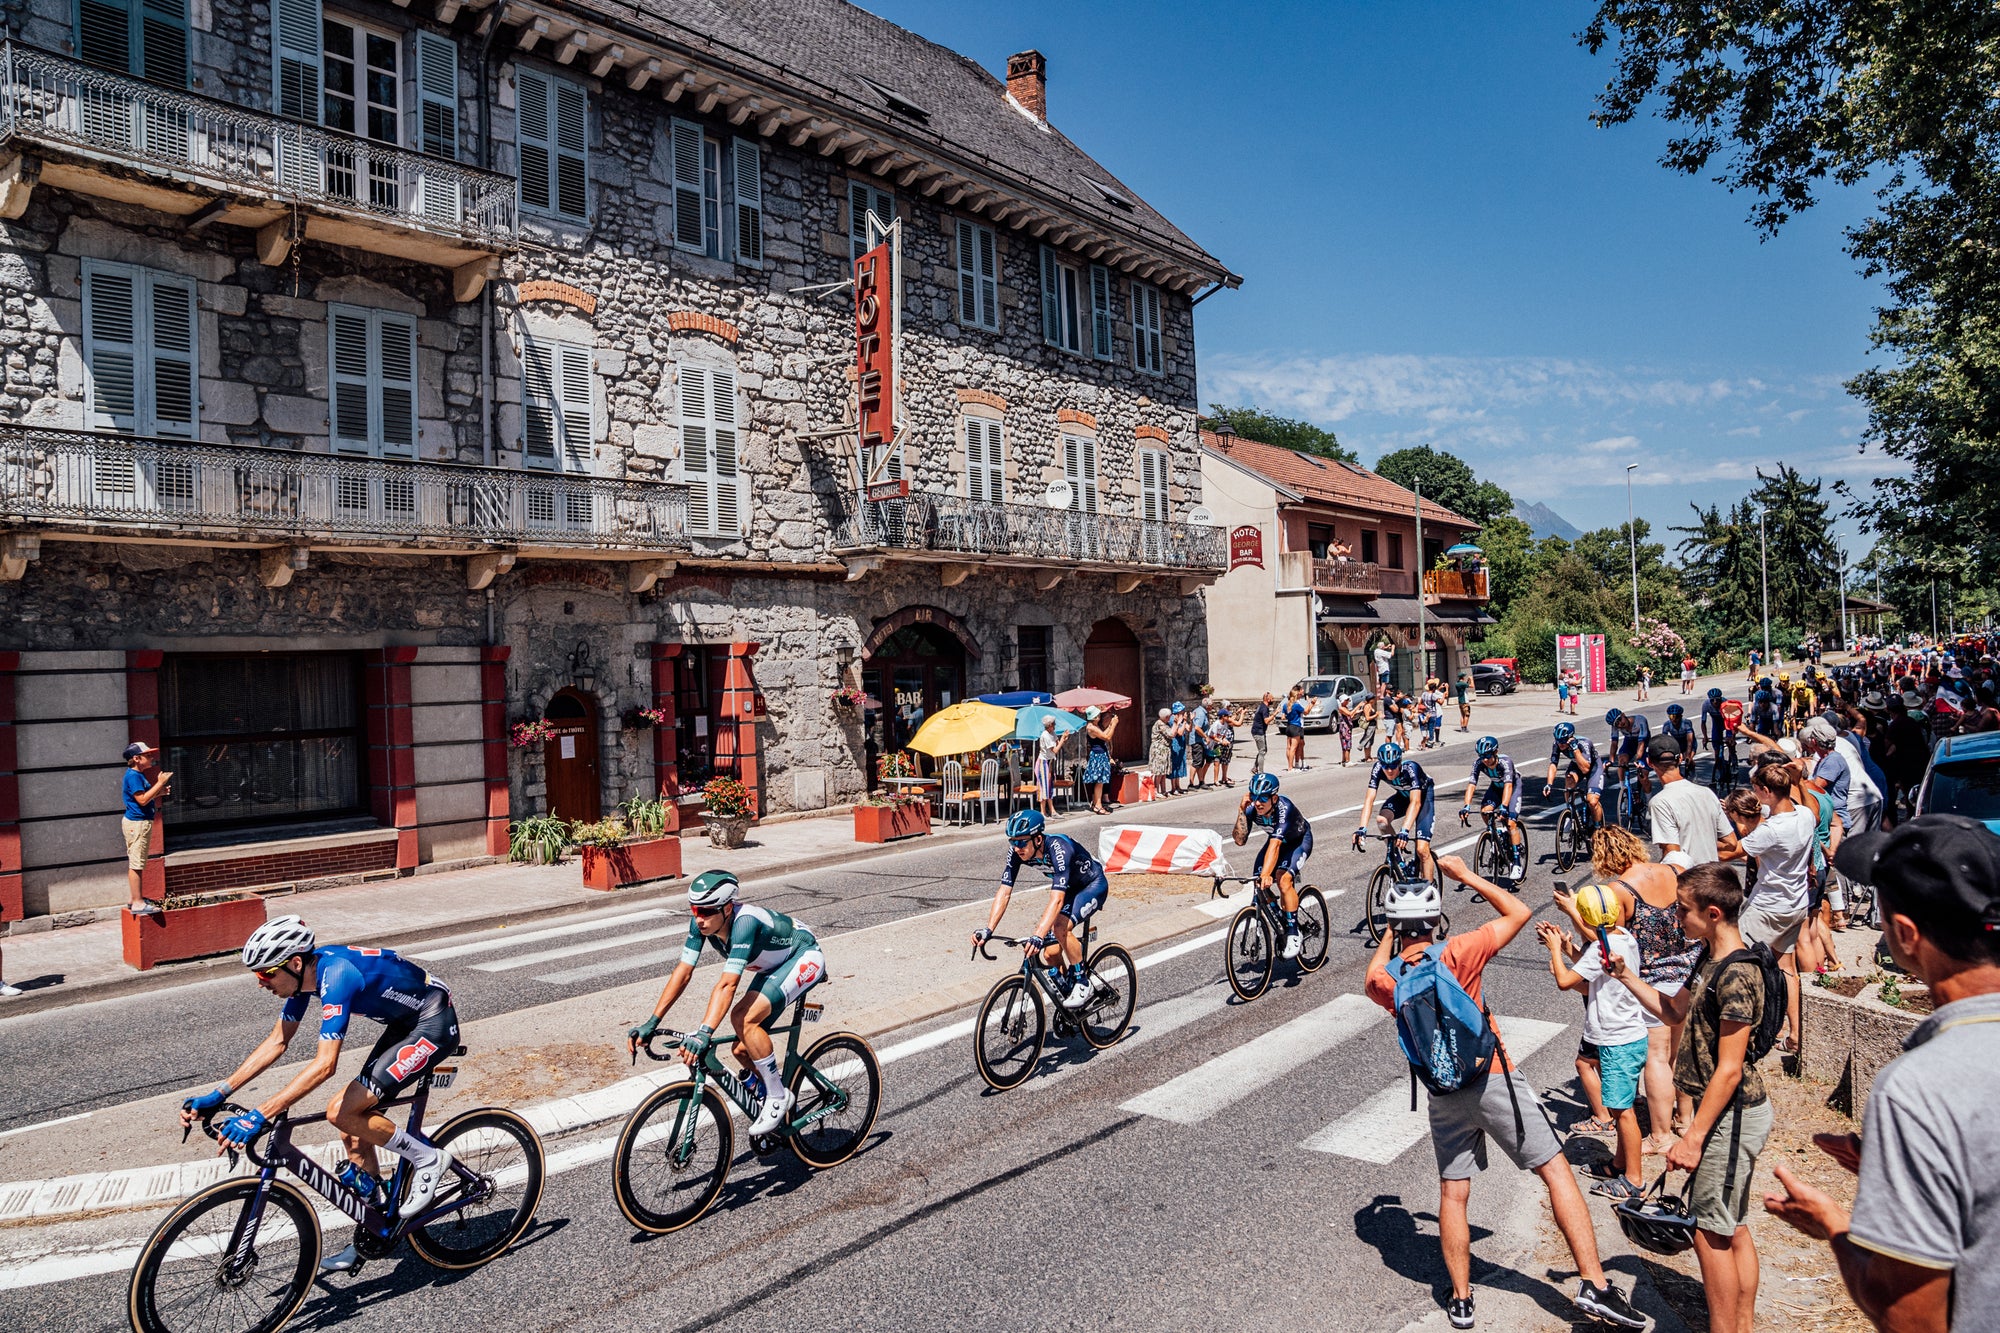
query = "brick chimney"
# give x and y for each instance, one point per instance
(1028, 83)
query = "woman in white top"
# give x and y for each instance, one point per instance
(1046, 746)
(1779, 837)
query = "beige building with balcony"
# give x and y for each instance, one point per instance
(1325, 563)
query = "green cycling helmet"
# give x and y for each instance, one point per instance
(712, 888)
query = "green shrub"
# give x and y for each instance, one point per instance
(538, 840)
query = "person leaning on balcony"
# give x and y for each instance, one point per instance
(142, 795)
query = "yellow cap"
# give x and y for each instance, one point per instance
(1597, 904)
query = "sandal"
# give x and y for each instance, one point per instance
(1594, 1125)
(1657, 1144)
(1617, 1188)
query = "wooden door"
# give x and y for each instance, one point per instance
(570, 757)
(1111, 662)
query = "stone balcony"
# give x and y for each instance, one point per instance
(962, 535)
(81, 486)
(77, 127)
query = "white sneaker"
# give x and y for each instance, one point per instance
(772, 1114)
(6, 990)
(1079, 995)
(1292, 945)
(424, 1182)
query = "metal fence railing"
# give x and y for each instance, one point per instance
(953, 525)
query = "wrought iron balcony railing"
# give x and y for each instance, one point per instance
(53, 100)
(944, 526)
(237, 493)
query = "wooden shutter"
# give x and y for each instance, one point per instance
(111, 317)
(1100, 312)
(104, 34)
(863, 199)
(747, 174)
(689, 233)
(1080, 466)
(437, 95)
(532, 139)
(985, 461)
(1146, 327)
(709, 450)
(540, 416)
(573, 388)
(728, 483)
(171, 340)
(1152, 485)
(395, 385)
(297, 40)
(349, 377)
(163, 43)
(978, 276)
(572, 143)
(1052, 315)
(139, 351)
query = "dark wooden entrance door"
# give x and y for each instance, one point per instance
(1111, 662)
(570, 757)
(917, 670)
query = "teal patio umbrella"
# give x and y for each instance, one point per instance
(1028, 722)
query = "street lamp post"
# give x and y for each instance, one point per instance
(1846, 630)
(1632, 544)
(1423, 664)
(1764, 571)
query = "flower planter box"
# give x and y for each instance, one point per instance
(886, 823)
(1846, 1042)
(219, 925)
(608, 868)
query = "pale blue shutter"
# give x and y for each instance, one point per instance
(395, 384)
(171, 377)
(1052, 315)
(1146, 327)
(532, 140)
(689, 233)
(540, 415)
(572, 143)
(728, 480)
(747, 175)
(111, 347)
(349, 378)
(1100, 312)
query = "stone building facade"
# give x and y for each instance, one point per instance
(381, 377)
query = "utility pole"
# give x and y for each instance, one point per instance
(1764, 567)
(1846, 630)
(1423, 664)
(1632, 544)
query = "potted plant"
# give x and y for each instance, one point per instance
(728, 811)
(882, 817)
(527, 734)
(192, 926)
(614, 857)
(848, 699)
(538, 840)
(644, 719)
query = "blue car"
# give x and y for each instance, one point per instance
(1964, 779)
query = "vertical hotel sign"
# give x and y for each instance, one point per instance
(875, 333)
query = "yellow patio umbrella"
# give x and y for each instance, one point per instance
(963, 728)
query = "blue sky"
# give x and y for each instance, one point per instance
(1438, 246)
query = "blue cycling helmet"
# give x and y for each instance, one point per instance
(1674, 710)
(1486, 746)
(1565, 732)
(1611, 718)
(1714, 696)
(1263, 785)
(1390, 755)
(1024, 824)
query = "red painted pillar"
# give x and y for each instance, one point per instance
(142, 707)
(392, 763)
(666, 758)
(736, 743)
(10, 797)
(493, 742)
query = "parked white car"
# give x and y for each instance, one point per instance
(1322, 697)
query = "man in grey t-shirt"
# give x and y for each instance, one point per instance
(1686, 816)
(1923, 1240)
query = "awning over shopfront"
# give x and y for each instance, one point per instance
(1393, 611)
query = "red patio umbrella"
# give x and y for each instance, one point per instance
(1079, 699)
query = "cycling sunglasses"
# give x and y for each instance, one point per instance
(708, 911)
(1021, 844)
(268, 972)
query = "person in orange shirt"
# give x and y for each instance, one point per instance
(1504, 1109)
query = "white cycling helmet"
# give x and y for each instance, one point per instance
(1413, 902)
(275, 942)
(712, 888)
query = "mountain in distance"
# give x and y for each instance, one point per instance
(1545, 521)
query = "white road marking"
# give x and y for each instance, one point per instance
(571, 950)
(430, 952)
(1383, 1127)
(1227, 907)
(652, 958)
(1155, 1020)
(45, 1124)
(1344, 810)
(1207, 1088)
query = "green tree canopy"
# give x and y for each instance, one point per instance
(1446, 479)
(1284, 432)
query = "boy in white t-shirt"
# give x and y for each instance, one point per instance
(1613, 1020)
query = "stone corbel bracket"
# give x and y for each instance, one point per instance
(19, 174)
(16, 550)
(481, 570)
(276, 566)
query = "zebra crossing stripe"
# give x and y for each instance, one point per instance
(1207, 1088)
(571, 950)
(428, 952)
(1383, 1127)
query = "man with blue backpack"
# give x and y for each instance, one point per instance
(1433, 988)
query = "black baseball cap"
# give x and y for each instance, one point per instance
(1942, 871)
(1663, 749)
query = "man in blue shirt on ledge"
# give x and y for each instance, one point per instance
(142, 792)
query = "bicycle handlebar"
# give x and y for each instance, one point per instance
(659, 1034)
(230, 1110)
(980, 947)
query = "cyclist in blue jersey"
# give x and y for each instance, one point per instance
(1580, 756)
(1681, 731)
(1412, 793)
(1712, 727)
(1077, 888)
(1289, 843)
(1502, 782)
(419, 1026)
(1626, 752)
(781, 960)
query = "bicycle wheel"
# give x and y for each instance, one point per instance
(504, 1151)
(1566, 832)
(1007, 1042)
(1249, 953)
(1378, 910)
(1315, 929)
(191, 1279)
(1114, 980)
(1487, 861)
(848, 1062)
(673, 1156)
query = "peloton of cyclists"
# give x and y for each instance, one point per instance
(1412, 796)
(1579, 754)
(419, 1025)
(1502, 792)
(1283, 857)
(1077, 888)
(783, 961)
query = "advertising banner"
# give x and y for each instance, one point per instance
(1583, 654)
(1246, 546)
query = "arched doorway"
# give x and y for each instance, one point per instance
(914, 672)
(1111, 662)
(569, 757)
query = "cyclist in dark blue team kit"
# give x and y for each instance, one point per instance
(1413, 793)
(1502, 782)
(1626, 751)
(419, 1027)
(1580, 754)
(1283, 857)
(1682, 731)
(1077, 888)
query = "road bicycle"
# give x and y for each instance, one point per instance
(1399, 866)
(1257, 927)
(1573, 829)
(1722, 764)
(1629, 809)
(677, 1146)
(240, 1256)
(1013, 1020)
(1493, 854)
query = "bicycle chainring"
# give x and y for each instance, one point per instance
(763, 1144)
(371, 1246)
